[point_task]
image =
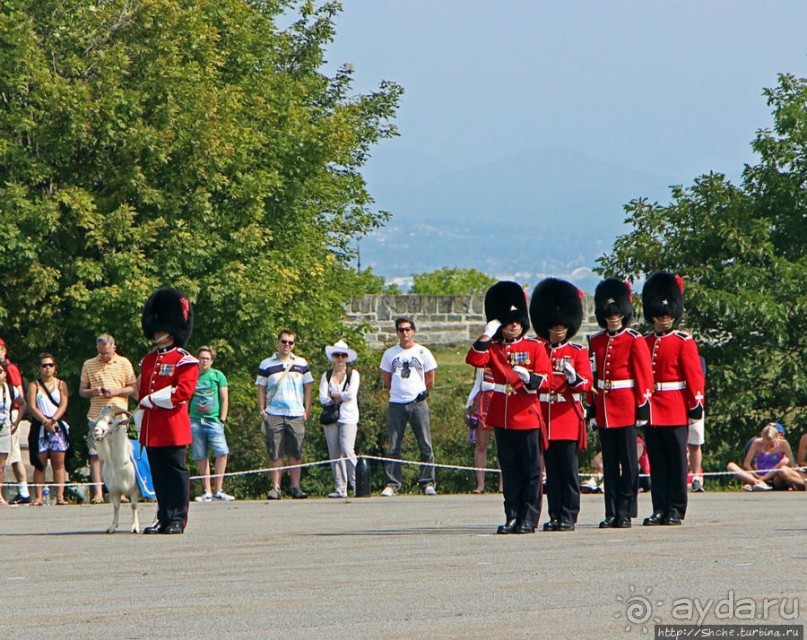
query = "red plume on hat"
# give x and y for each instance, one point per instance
(170, 311)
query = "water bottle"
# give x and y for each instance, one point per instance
(46, 496)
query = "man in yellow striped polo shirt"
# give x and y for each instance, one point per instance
(108, 379)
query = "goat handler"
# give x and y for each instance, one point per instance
(168, 376)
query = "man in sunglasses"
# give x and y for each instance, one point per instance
(407, 370)
(284, 385)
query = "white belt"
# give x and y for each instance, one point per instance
(671, 386)
(557, 397)
(508, 390)
(615, 384)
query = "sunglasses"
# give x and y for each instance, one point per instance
(340, 355)
(404, 329)
(289, 342)
(42, 365)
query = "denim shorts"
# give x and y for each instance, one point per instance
(207, 433)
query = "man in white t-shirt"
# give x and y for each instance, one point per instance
(407, 370)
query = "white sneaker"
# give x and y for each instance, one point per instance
(697, 485)
(429, 490)
(761, 486)
(389, 491)
(205, 497)
(589, 486)
(337, 494)
(747, 487)
(222, 495)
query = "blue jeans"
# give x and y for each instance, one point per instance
(207, 432)
(417, 415)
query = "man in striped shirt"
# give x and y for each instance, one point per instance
(108, 379)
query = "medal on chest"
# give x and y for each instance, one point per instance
(518, 358)
(165, 370)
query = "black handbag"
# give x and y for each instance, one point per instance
(330, 412)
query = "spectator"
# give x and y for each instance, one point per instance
(773, 468)
(47, 399)
(520, 368)
(167, 379)
(407, 370)
(621, 399)
(108, 379)
(14, 379)
(595, 483)
(8, 395)
(802, 456)
(339, 389)
(284, 399)
(209, 407)
(476, 408)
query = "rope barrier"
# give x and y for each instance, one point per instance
(233, 474)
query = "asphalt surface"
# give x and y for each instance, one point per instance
(403, 567)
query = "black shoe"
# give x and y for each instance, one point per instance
(508, 527)
(608, 522)
(622, 523)
(552, 525)
(157, 527)
(18, 499)
(174, 528)
(653, 521)
(525, 527)
(673, 520)
(298, 494)
(565, 526)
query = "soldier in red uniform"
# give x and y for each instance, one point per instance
(623, 383)
(167, 381)
(556, 311)
(519, 367)
(677, 397)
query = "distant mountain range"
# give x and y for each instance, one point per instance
(537, 213)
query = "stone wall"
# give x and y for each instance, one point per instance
(439, 319)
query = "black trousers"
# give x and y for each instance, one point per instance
(171, 483)
(562, 480)
(667, 450)
(520, 461)
(620, 467)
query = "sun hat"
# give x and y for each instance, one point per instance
(340, 346)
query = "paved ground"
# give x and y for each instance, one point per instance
(405, 567)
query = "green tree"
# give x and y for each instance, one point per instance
(742, 251)
(186, 142)
(451, 281)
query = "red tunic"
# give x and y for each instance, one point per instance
(677, 376)
(174, 368)
(513, 406)
(564, 419)
(623, 379)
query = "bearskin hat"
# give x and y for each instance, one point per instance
(663, 295)
(613, 297)
(170, 311)
(506, 302)
(555, 302)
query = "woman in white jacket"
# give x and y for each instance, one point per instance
(339, 386)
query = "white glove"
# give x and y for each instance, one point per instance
(569, 372)
(641, 423)
(491, 328)
(522, 373)
(695, 423)
(160, 398)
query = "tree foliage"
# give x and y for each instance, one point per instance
(742, 251)
(451, 281)
(194, 143)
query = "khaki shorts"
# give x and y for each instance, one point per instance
(15, 455)
(284, 436)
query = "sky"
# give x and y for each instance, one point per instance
(674, 87)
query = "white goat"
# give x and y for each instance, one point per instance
(114, 448)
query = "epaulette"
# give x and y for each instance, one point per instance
(574, 345)
(683, 335)
(595, 335)
(633, 332)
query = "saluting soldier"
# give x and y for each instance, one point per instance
(556, 311)
(677, 397)
(519, 367)
(620, 396)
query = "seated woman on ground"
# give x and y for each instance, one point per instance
(774, 464)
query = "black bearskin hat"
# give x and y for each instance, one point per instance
(170, 311)
(663, 295)
(555, 302)
(506, 302)
(613, 297)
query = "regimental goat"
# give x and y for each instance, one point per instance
(109, 434)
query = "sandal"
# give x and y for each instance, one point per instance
(36, 503)
(97, 500)
(478, 491)
(61, 502)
